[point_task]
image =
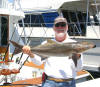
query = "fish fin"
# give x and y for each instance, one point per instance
(83, 42)
(50, 41)
(74, 58)
(43, 57)
(18, 47)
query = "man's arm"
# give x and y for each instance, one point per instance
(34, 58)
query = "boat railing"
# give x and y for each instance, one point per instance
(74, 29)
(5, 4)
(27, 24)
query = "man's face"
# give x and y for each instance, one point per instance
(60, 27)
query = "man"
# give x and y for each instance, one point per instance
(59, 72)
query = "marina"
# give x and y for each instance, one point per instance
(29, 23)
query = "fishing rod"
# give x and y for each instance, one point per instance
(7, 51)
(8, 45)
(25, 39)
(26, 58)
(23, 63)
(17, 41)
(27, 42)
(22, 31)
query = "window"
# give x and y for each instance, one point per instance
(3, 30)
(32, 20)
(76, 21)
(96, 20)
(49, 18)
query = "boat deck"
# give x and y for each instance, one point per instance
(37, 81)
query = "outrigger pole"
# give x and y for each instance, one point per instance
(27, 42)
(87, 12)
(6, 59)
(18, 41)
(27, 56)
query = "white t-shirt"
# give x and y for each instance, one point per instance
(59, 67)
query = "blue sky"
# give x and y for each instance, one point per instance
(10, 0)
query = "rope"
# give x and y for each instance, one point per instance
(89, 74)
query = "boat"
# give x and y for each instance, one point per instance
(83, 18)
(9, 17)
(90, 83)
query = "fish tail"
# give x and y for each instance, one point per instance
(18, 47)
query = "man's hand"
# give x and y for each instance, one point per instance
(27, 50)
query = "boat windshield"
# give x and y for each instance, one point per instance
(39, 20)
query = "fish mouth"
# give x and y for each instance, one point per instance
(93, 46)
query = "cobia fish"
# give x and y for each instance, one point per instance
(52, 48)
